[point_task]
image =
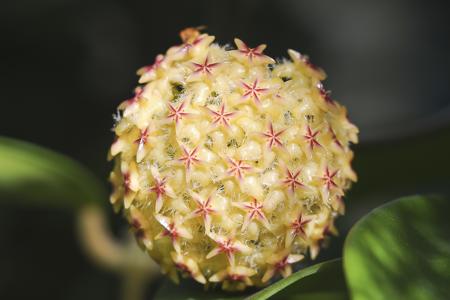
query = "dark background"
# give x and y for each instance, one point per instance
(66, 65)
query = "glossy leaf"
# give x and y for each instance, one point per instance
(33, 175)
(320, 281)
(401, 251)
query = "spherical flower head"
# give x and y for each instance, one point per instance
(231, 166)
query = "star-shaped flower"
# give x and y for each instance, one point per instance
(236, 276)
(148, 72)
(119, 144)
(141, 227)
(254, 210)
(160, 188)
(303, 60)
(174, 230)
(194, 43)
(206, 67)
(150, 68)
(252, 54)
(130, 183)
(281, 263)
(142, 140)
(188, 45)
(237, 168)
(138, 91)
(338, 204)
(326, 95)
(188, 265)
(229, 246)
(126, 182)
(296, 228)
(177, 113)
(298, 225)
(292, 181)
(334, 137)
(319, 240)
(204, 209)
(307, 61)
(221, 116)
(328, 178)
(253, 91)
(311, 138)
(273, 137)
(130, 193)
(190, 157)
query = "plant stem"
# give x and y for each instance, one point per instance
(123, 257)
(134, 285)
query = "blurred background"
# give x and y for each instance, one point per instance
(66, 65)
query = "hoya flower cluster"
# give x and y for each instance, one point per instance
(231, 166)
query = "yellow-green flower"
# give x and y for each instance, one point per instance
(230, 165)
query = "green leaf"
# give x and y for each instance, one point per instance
(401, 251)
(320, 281)
(32, 175)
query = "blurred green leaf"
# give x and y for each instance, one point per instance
(320, 281)
(32, 175)
(401, 251)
